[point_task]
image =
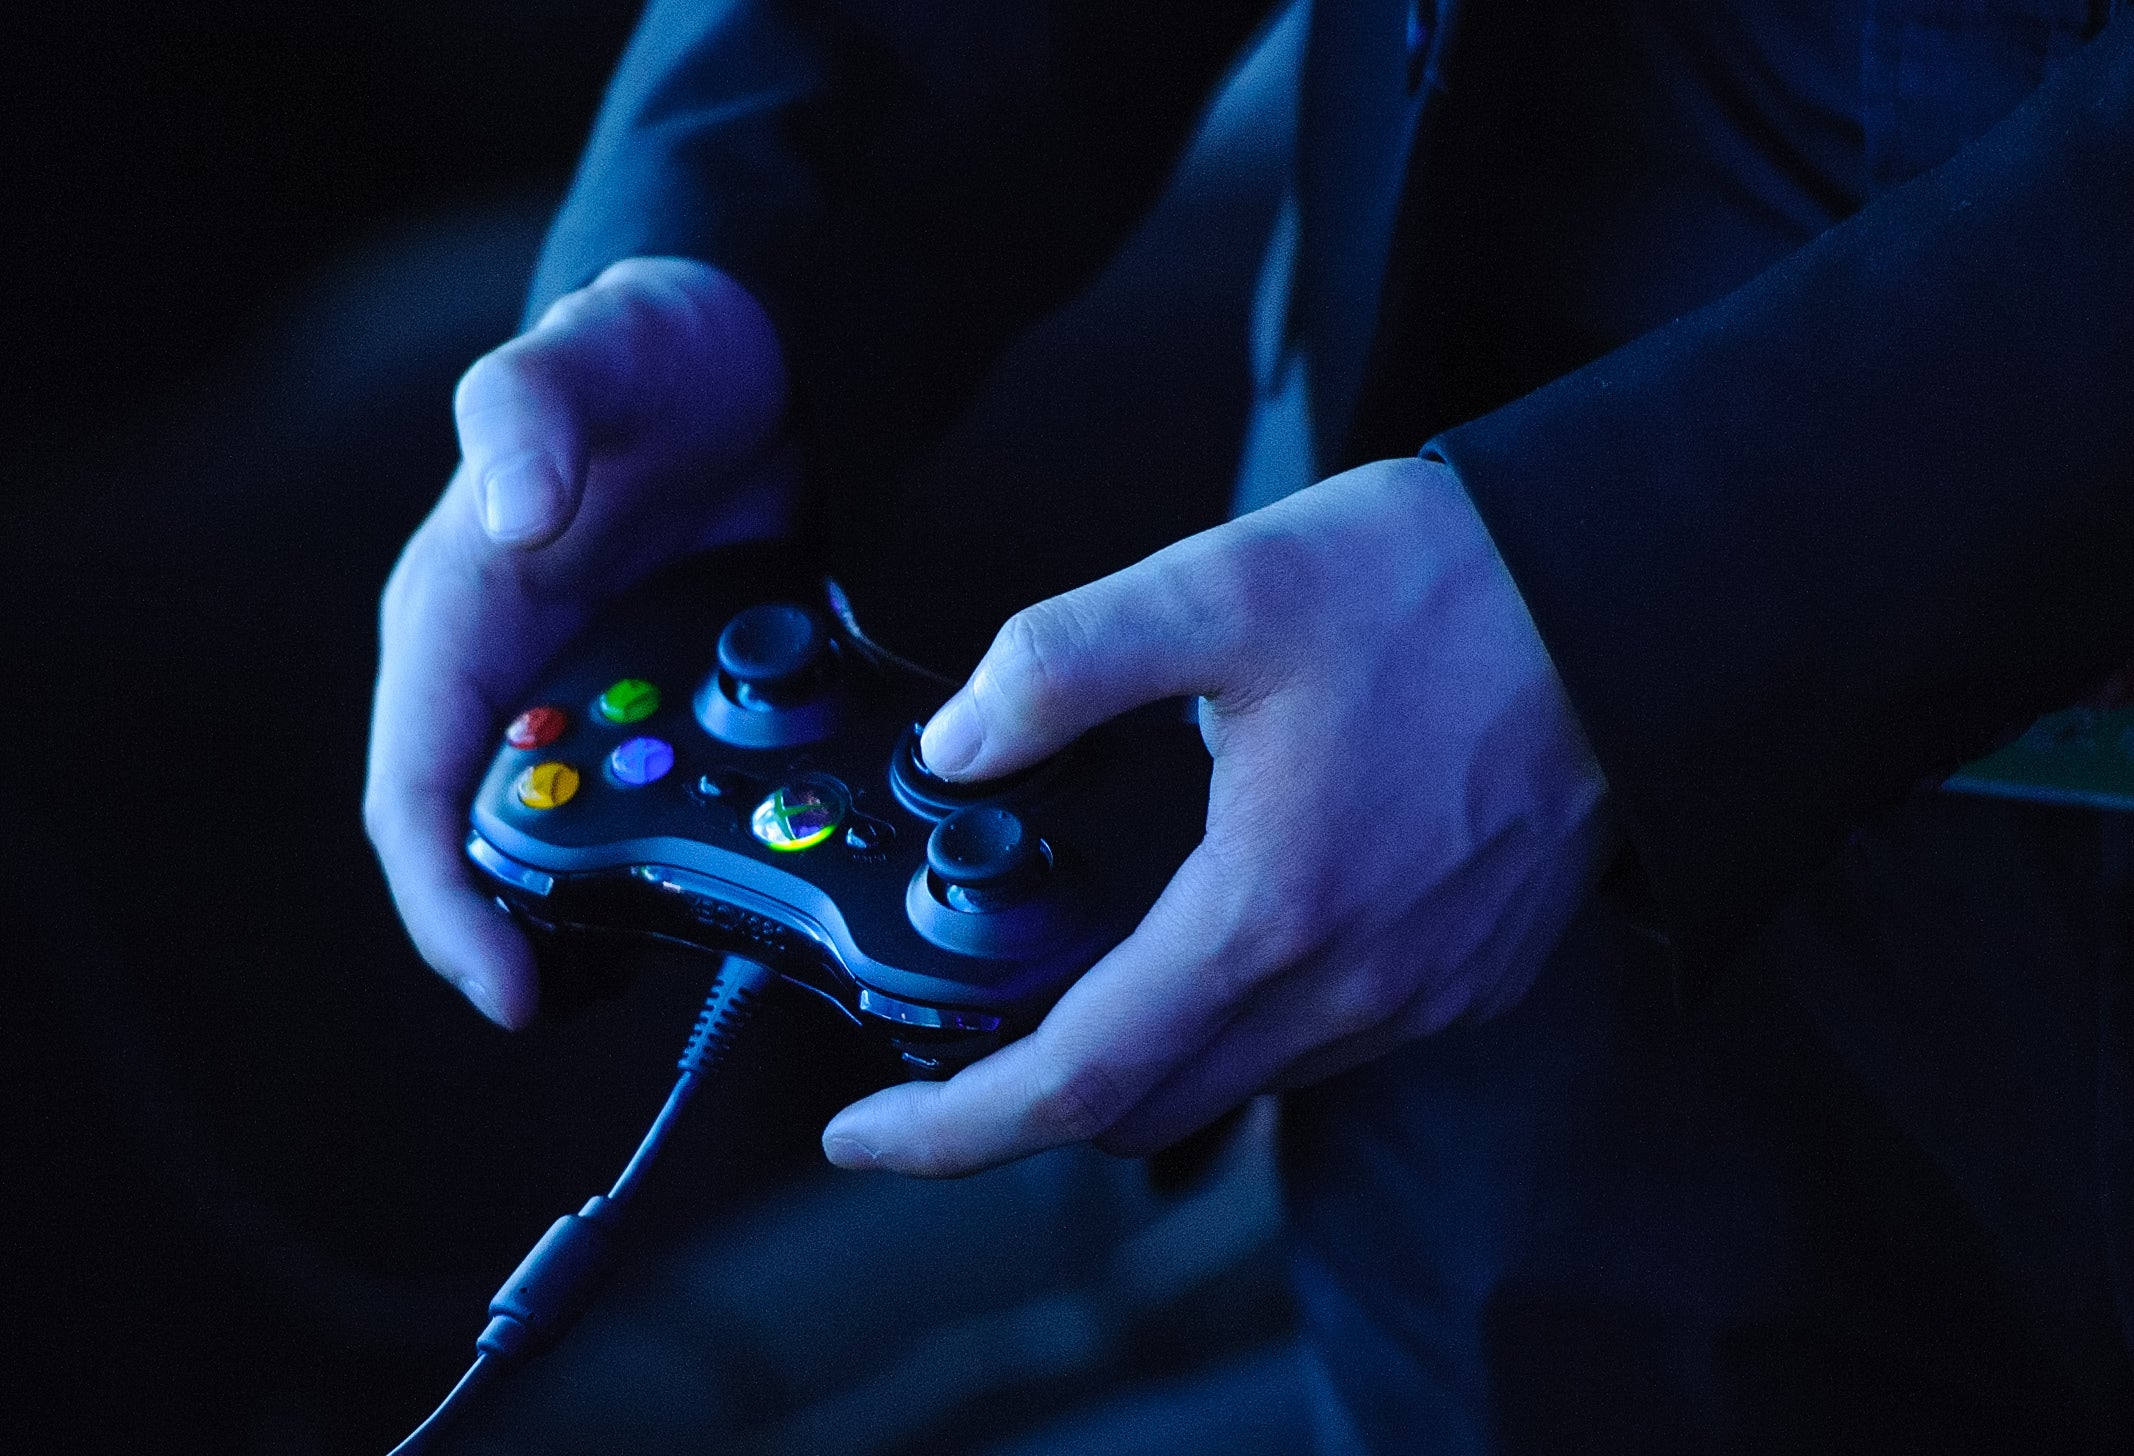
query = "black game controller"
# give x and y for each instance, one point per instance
(725, 761)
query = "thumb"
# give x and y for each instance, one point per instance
(603, 367)
(1162, 628)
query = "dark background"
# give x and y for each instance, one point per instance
(260, 1169)
(174, 169)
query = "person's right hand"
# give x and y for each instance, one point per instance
(637, 422)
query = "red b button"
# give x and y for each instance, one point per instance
(537, 727)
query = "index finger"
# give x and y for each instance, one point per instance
(1181, 623)
(441, 686)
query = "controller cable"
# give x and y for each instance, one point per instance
(553, 1284)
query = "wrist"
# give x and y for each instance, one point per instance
(1538, 728)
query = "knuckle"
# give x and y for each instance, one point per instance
(1427, 1017)
(585, 338)
(667, 276)
(1127, 1142)
(1271, 918)
(1261, 572)
(501, 379)
(1287, 927)
(674, 294)
(1040, 655)
(1078, 1102)
(628, 272)
(1244, 956)
(571, 309)
(394, 601)
(1356, 1001)
(928, 1155)
(377, 817)
(401, 604)
(1247, 588)
(640, 311)
(1231, 930)
(627, 295)
(1213, 581)
(1426, 1013)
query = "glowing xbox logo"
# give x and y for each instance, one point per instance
(799, 816)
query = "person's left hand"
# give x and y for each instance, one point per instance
(1403, 816)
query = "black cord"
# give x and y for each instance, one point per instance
(479, 1374)
(555, 1281)
(625, 1188)
(727, 1007)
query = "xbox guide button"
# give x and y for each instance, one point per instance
(800, 815)
(750, 831)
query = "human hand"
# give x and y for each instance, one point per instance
(1403, 816)
(635, 423)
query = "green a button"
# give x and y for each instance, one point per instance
(630, 701)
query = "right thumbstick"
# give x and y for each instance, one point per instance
(986, 857)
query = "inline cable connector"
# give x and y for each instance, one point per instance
(555, 1281)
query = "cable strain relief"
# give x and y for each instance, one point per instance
(732, 1001)
(505, 1338)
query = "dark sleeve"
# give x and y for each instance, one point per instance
(903, 186)
(1823, 540)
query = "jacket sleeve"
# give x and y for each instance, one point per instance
(1816, 544)
(902, 186)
